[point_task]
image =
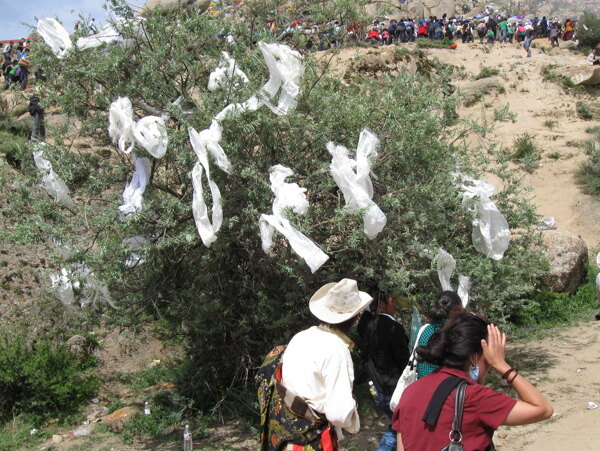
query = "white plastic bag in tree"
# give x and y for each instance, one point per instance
(133, 196)
(107, 34)
(285, 71)
(51, 182)
(491, 234)
(352, 176)
(62, 287)
(120, 124)
(289, 195)
(207, 141)
(55, 35)
(226, 73)
(150, 132)
(445, 268)
(95, 292)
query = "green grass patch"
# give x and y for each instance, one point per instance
(547, 309)
(487, 72)
(583, 110)
(588, 173)
(550, 123)
(429, 44)
(526, 152)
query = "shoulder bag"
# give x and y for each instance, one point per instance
(409, 375)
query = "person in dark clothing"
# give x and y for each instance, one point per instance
(386, 356)
(37, 111)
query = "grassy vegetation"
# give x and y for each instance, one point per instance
(487, 72)
(423, 43)
(547, 309)
(583, 110)
(550, 123)
(588, 173)
(526, 152)
(549, 74)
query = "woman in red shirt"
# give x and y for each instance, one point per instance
(467, 347)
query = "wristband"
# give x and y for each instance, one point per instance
(510, 370)
(513, 378)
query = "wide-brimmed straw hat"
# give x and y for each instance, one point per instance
(334, 303)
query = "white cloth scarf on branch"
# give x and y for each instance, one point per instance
(226, 73)
(51, 182)
(352, 177)
(491, 233)
(285, 71)
(445, 268)
(292, 196)
(55, 35)
(133, 196)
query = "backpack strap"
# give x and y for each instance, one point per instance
(432, 413)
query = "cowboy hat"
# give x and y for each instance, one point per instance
(334, 303)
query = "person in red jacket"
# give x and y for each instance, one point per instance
(466, 348)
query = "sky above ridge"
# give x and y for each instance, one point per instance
(15, 12)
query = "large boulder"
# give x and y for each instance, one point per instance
(567, 255)
(474, 90)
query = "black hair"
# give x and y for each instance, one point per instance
(456, 341)
(448, 303)
(344, 326)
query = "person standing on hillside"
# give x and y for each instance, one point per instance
(305, 392)
(527, 44)
(387, 355)
(504, 31)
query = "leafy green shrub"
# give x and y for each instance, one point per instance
(423, 43)
(487, 72)
(503, 114)
(583, 110)
(41, 379)
(588, 30)
(526, 152)
(550, 123)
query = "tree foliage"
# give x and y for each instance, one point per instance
(231, 302)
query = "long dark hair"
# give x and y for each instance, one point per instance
(456, 341)
(447, 304)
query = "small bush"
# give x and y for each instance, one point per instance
(526, 152)
(487, 72)
(588, 173)
(423, 43)
(550, 123)
(41, 379)
(547, 309)
(583, 110)
(554, 155)
(503, 114)
(588, 30)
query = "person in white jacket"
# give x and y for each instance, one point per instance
(317, 365)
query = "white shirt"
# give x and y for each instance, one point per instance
(317, 367)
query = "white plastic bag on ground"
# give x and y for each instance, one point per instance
(133, 195)
(51, 182)
(445, 267)
(120, 124)
(107, 34)
(55, 35)
(150, 132)
(352, 176)
(289, 195)
(227, 72)
(491, 233)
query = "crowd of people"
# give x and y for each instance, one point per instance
(305, 389)
(16, 65)
(486, 29)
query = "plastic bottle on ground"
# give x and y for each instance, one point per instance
(187, 439)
